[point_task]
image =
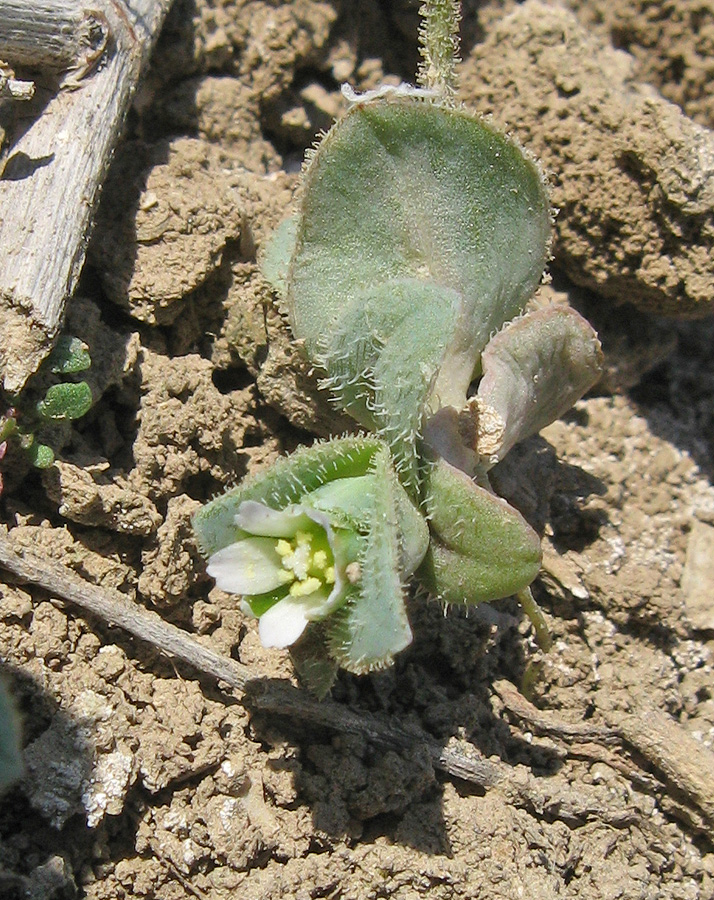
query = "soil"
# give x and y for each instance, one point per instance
(145, 780)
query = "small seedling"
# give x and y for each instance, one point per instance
(62, 401)
(421, 235)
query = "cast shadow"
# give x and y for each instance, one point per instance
(18, 117)
(664, 365)
(551, 493)
(42, 817)
(677, 397)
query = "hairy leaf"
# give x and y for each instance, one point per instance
(422, 230)
(481, 548)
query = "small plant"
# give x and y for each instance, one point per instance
(64, 400)
(420, 237)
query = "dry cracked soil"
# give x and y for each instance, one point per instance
(145, 779)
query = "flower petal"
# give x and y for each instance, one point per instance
(257, 518)
(283, 623)
(250, 566)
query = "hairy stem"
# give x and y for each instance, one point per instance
(439, 46)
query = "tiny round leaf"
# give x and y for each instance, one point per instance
(69, 355)
(66, 401)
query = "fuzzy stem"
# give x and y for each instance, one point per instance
(538, 620)
(439, 46)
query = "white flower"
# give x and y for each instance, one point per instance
(285, 569)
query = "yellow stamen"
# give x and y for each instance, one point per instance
(303, 588)
(307, 570)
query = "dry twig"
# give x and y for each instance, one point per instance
(51, 34)
(457, 759)
(113, 608)
(687, 765)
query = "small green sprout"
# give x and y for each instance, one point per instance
(406, 273)
(63, 401)
(66, 401)
(69, 355)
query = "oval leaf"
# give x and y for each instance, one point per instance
(481, 547)
(404, 193)
(41, 455)
(66, 401)
(69, 355)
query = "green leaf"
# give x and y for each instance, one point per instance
(481, 548)
(422, 230)
(395, 335)
(69, 355)
(41, 455)
(534, 370)
(66, 401)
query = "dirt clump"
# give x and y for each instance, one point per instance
(145, 779)
(632, 177)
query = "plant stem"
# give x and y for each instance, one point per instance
(439, 46)
(538, 620)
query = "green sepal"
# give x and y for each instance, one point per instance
(481, 548)
(288, 481)
(372, 626)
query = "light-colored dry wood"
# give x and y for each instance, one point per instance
(57, 34)
(686, 764)
(14, 89)
(50, 178)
